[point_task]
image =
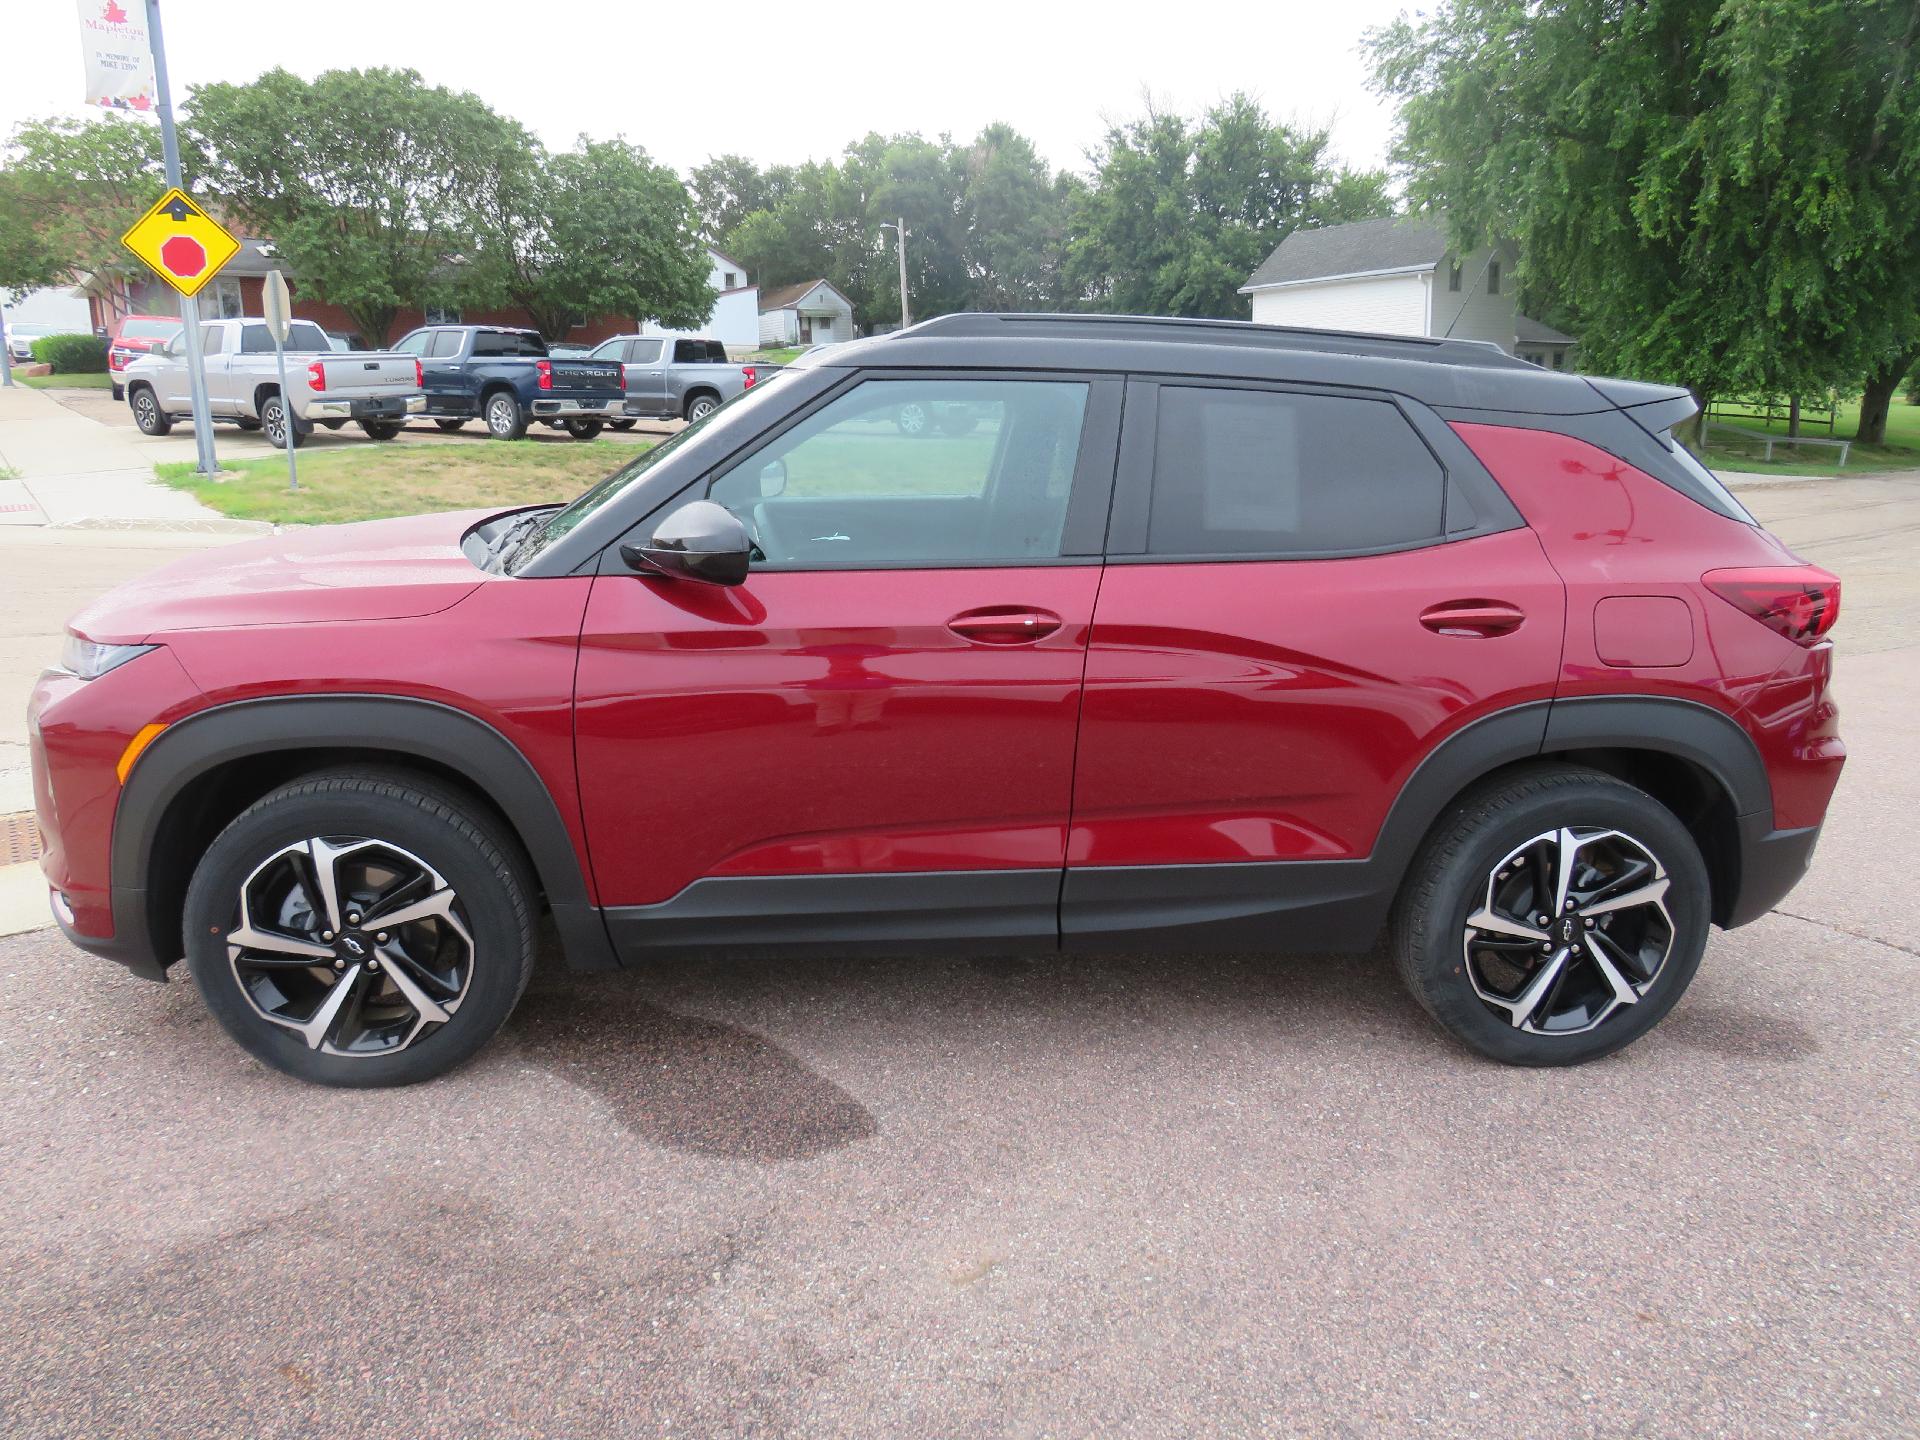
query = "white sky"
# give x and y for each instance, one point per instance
(776, 82)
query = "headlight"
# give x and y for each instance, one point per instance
(83, 657)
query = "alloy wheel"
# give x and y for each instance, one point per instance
(500, 416)
(273, 419)
(356, 945)
(700, 409)
(912, 418)
(1572, 927)
(145, 408)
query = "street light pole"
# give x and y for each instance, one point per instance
(189, 306)
(899, 228)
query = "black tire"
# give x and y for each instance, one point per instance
(626, 424)
(913, 418)
(483, 867)
(584, 429)
(380, 429)
(246, 424)
(449, 425)
(273, 420)
(505, 417)
(119, 392)
(147, 414)
(1459, 873)
(699, 406)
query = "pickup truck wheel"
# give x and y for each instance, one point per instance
(273, 420)
(699, 407)
(147, 413)
(584, 429)
(621, 424)
(912, 418)
(505, 419)
(361, 928)
(450, 425)
(380, 429)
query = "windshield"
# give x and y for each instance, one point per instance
(564, 521)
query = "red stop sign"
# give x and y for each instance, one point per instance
(184, 256)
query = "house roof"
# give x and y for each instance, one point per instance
(1365, 247)
(724, 258)
(786, 296)
(1532, 332)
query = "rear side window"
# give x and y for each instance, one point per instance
(444, 344)
(1249, 472)
(643, 352)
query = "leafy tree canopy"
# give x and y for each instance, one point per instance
(68, 191)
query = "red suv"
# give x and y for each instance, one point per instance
(131, 337)
(1199, 635)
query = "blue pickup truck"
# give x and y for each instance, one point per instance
(505, 378)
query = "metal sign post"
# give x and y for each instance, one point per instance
(189, 306)
(279, 307)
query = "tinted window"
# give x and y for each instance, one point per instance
(916, 472)
(1245, 472)
(444, 345)
(689, 352)
(507, 342)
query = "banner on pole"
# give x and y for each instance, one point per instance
(117, 54)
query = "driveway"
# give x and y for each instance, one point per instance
(1100, 1196)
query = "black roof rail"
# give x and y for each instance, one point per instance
(1064, 326)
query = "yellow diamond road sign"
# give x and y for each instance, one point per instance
(183, 243)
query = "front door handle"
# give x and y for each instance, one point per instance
(1481, 619)
(1004, 624)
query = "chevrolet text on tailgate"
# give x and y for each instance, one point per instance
(1146, 634)
(506, 378)
(325, 386)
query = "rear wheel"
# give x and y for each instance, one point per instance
(450, 425)
(621, 424)
(1553, 917)
(380, 429)
(273, 420)
(505, 419)
(360, 929)
(913, 418)
(584, 429)
(147, 413)
(701, 406)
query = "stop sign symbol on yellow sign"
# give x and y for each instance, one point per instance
(185, 246)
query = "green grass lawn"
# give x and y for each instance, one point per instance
(778, 356)
(96, 380)
(1901, 452)
(371, 481)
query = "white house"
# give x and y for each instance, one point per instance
(1397, 276)
(736, 307)
(814, 312)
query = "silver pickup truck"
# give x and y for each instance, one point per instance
(684, 376)
(326, 387)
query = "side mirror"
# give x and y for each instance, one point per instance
(699, 541)
(773, 479)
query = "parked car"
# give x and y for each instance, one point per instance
(377, 389)
(685, 377)
(20, 338)
(132, 336)
(1338, 635)
(507, 378)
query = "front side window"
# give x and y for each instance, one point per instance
(915, 472)
(1250, 472)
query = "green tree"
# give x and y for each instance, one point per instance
(728, 188)
(1015, 213)
(1721, 192)
(367, 180)
(69, 190)
(600, 230)
(1179, 214)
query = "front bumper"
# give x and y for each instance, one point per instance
(582, 409)
(390, 407)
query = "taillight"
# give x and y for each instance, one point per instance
(1800, 602)
(544, 368)
(419, 373)
(626, 376)
(316, 375)
(748, 371)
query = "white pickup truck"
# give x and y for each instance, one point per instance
(326, 387)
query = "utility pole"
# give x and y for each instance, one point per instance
(6, 355)
(899, 228)
(189, 305)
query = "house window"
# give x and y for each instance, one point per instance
(728, 280)
(1453, 277)
(1493, 277)
(227, 304)
(439, 316)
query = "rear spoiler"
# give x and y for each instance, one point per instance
(1656, 409)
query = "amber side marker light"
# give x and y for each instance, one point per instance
(142, 738)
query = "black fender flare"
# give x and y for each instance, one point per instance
(191, 748)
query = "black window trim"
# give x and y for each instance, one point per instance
(1089, 500)
(1133, 485)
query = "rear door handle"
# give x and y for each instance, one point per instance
(1481, 619)
(1004, 624)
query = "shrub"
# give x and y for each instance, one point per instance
(72, 354)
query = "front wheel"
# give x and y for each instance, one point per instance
(274, 420)
(505, 419)
(584, 429)
(1553, 917)
(380, 429)
(361, 929)
(147, 413)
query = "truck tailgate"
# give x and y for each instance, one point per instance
(349, 373)
(596, 375)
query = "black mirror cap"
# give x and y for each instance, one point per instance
(700, 541)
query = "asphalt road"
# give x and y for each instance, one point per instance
(1119, 1197)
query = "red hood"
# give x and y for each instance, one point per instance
(376, 570)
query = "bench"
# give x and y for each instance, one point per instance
(1768, 441)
